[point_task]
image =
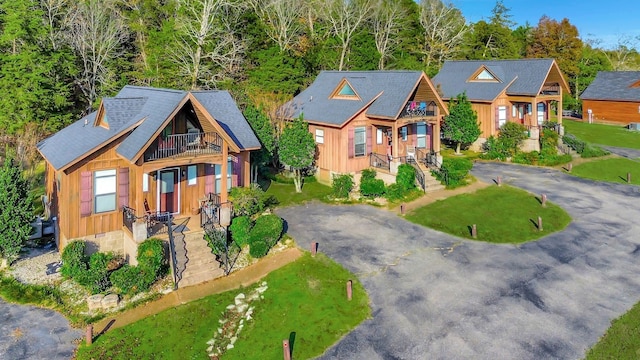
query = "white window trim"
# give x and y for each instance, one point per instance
(145, 182)
(320, 136)
(105, 185)
(358, 130)
(404, 132)
(502, 120)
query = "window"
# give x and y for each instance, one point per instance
(404, 133)
(502, 115)
(145, 182)
(514, 111)
(192, 174)
(320, 136)
(485, 75)
(360, 141)
(378, 136)
(218, 170)
(421, 135)
(347, 91)
(104, 190)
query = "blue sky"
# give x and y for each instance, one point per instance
(604, 20)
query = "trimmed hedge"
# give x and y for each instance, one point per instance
(240, 229)
(130, 279)
(258, 249)
(267, 228)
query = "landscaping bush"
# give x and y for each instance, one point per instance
(151, 257)
(529, 158)
(591, 151)
(511, 136)
(248, 201)
(267, 228)
(583, 148)
(395, 192)
(342, 185)
(74, 262)
(494, 149)
(129, 279)
(406, 177)
(96, 277)
(258, 249)
(368, 174)
(372, 187)
(456, 170)
(240, 228)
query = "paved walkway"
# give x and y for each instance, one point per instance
(435, 296)
(633, 154)
(434, 196)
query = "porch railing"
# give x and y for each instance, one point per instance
(129, 217)
(418, 108)
(210, 212)
(436, 167)
(185, 145)
(379, 161)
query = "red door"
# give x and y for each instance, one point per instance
(169, 191)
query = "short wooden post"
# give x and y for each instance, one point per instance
(569, 167)
(402, 209)
(544, 200)
(89, 334)
(314, 248)
(539, 223)
(286, 351)
(474, 231)
(628, 178)
(349, 290)
(499, 181)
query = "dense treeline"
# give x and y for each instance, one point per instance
(58, 57)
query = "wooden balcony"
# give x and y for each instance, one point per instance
(184, 145)
(419, 109)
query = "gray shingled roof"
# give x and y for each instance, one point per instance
(317, 106)
(613, 85)
(128, 107)
(528, 76)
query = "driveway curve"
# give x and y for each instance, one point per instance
(28, 332)
(435, 296)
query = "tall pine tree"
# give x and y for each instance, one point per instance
(16, 211)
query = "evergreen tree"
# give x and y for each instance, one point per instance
(461, 125)
(297, 148)
(16, 211)
(266, 133)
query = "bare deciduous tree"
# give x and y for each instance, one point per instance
(54, 13)
(282, 18)
(444, 28)
(387, 22)
(208, 48)
(345, 17)
(619, 57)
(96, 32)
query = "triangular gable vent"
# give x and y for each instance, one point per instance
(344, 90)
(484, 74)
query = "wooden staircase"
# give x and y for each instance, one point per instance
(430, 183)
(195, 261)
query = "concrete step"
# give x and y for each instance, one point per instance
(198, 278)
(201, 269)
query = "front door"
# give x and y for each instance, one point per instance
(169, 191)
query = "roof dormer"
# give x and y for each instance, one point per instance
(344, 91)
(483, 74)
(101, 117)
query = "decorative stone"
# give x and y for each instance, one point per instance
(239, 299)
(94, 302)
(110, 301)
(230, 346)
(241, 308)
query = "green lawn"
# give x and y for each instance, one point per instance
(286, 193)
(612, 170)
(502, 215)
(305, 302)
(611, 135)
(622, 340)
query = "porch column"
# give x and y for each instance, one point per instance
(224, 190)
(394, 140)
(435, 137)
(559, 108)
(533, 120)
(246, 169)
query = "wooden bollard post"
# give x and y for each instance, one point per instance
(569, 167)
(543, 200)
(474, 231)
(499, 180)
(89, 334)
(286, 351)
(402, 209)
(314, 248)
(628, 178)
(349, 290)
(539, 223)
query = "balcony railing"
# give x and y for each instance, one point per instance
(418, 108)
(191, 144)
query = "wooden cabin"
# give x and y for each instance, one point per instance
(362, 119)
(523, 91)
(612, 97)
(145, 154)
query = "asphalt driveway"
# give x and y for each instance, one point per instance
(434, 296)
(28, 332)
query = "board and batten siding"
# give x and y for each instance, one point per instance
(620, 112)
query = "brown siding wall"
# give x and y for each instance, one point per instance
(621, 112)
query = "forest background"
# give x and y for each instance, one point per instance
(59, 57)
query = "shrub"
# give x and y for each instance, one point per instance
(151, 257)
(494, 149)
(372, 187)
(368, 174)
(549, 142)
(267, 228)
(248, 201)
(74, 262)
(96, 278)
(511, 136)
(456, 170)
(529, 158)
(593, 151)
(258, 249)
(406, 177)
(342, 185)
(130, 279)
(395, 192)
(240, 228)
